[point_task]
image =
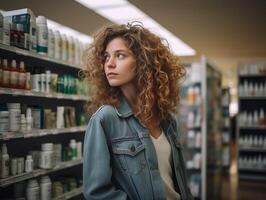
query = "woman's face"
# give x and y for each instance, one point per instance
(119, 63)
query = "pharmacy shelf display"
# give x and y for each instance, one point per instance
(34, 120)
(199, 118)
(225, 129)
(251, 121)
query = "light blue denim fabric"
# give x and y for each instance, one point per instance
(120, 159)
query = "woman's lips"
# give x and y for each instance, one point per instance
(111, 74)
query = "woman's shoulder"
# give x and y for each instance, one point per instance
(105, 112)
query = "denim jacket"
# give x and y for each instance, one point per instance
(120, 159)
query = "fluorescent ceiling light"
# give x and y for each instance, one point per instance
(69, 31)
(122, 12)
(96, 4)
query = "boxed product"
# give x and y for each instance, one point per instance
(20, 22)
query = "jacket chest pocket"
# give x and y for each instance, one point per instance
(130, 155)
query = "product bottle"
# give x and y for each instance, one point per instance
(64, 47)
(14, 116)
(1, 27)
(6, 31)
(29, 163)
(22, 76)
(33, 190)
(14, 35)
(48, 81)
(261, 118)
(29, 120)
(71, 49)
(57, 45)
(46, 188)
(23, 124)
(33, 34)
(14, 75)
(6, 74)
(73, 146)
(21, 37)
(4, 162)
(77, 52)
(43, 81)
(51, 43)
(1, 66)
(35, 79)
(28, 78)
(42, 35)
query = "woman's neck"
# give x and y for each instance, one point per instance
(130, 94)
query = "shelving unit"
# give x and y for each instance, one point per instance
(251, 121)
(38, 172)
(225, 130)
(16, 140)
(69, 195)
(200, 111)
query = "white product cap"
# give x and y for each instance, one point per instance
(41, 20)
(47, 147)
(13, 105)
(13, 64)
(22, 65)
(4, 114)
(28, 112)
(45, 179)
(33, 183)
(29, 157)
(22, 117)
(5, 63)
(4, 149)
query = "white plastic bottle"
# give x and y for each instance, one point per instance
(42, 35)
(29, 163)
(57, 45)
(46, 188)
(33, 190)
(33, 34)
(64, 47)
(4, 162)
(14, 116)
(73, 146)
(51, 43)
(29, 120)
(71, 49)
(23, 124)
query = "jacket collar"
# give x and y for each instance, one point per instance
(123, 110)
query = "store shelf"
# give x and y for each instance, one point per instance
(252, 149)
(40, 133)
(252, 169)
(253, 127)
(39, 172)
(26, 93)
(70, 194)
(252, 177)
(252, 97)
(36, 56)
(252, 75)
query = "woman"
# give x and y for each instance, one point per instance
(131, 147)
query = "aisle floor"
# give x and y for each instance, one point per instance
(232, 189)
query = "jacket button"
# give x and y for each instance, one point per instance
(132, 148)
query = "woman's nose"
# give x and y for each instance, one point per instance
(110, 63)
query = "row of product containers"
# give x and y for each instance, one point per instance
(49, 156)
(20, 28)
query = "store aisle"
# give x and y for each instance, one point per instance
(232, 189)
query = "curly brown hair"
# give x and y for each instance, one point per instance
(158, 72)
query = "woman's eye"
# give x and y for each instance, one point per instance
(105, 58)
(120, 56)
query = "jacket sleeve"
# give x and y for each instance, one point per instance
(97, 171)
